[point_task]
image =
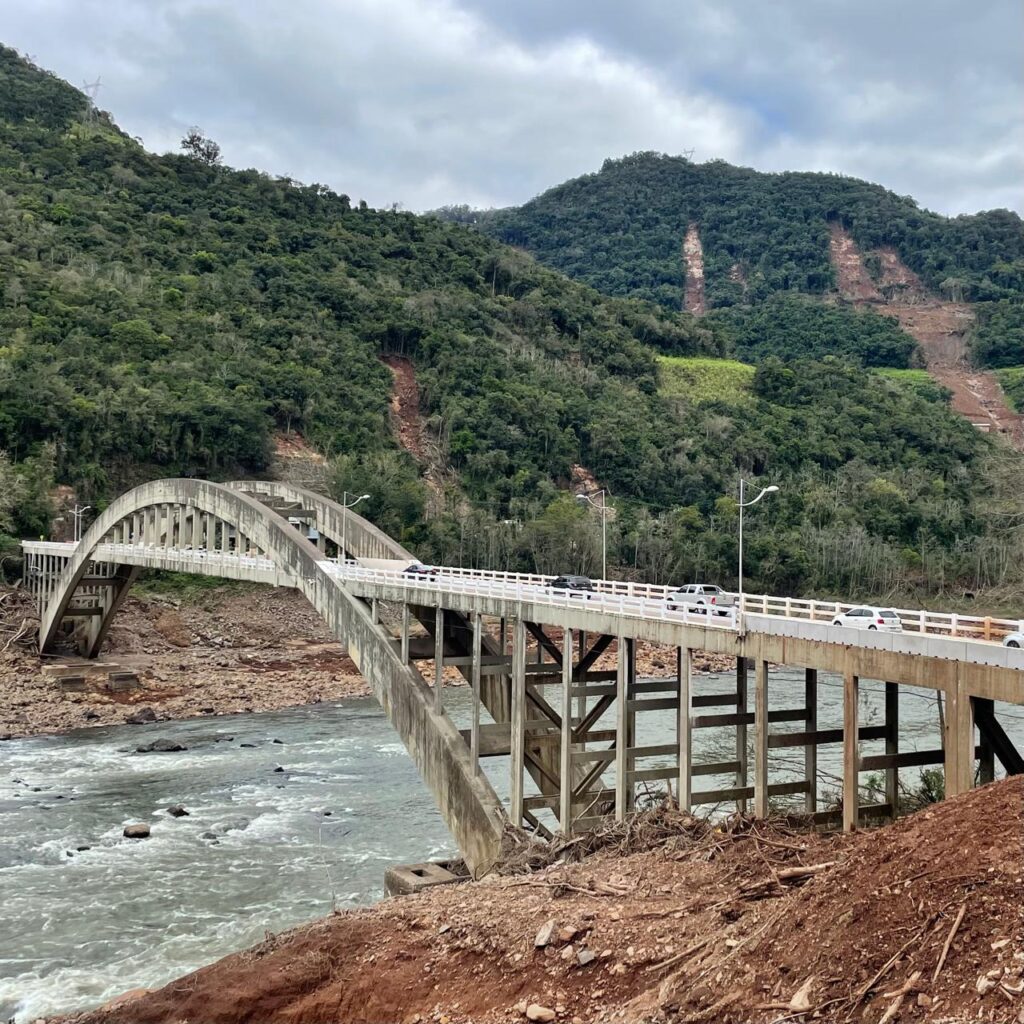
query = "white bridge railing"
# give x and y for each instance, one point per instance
(627, 598)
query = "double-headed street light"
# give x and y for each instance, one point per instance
(603, 509)
(746, 504)
(345, 506)
(78, 512)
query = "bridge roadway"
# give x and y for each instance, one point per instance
(242, 531)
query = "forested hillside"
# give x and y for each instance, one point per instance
(167, 315)
(622, 231)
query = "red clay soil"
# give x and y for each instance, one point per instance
(405, 406)
(700, 926)
(693, 258)
(939, 327)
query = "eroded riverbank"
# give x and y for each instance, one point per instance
(750, 922)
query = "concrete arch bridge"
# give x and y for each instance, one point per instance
(566, 727)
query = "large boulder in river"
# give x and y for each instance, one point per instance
(140, 831)
(177, 811)
(160, 746)
(141, 717)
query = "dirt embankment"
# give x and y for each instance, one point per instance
(673, 922)
(938, 326)
(693, 260)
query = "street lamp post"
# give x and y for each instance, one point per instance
(345, 506)
(746, 504)
(78, 511)
(603, 509)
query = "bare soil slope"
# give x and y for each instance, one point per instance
(674, 921)
(939, 327)
(693, 260)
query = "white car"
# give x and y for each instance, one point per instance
(864, 617)
(1013, 640)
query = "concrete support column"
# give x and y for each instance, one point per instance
(761, 740)
(197, 529)
(581, 679)
(851, 752)
(474, 679)
(438, 658)
(811, 749)
(959, 741)
(405, 634)
(741, 730)
(892, 747)
(630, 722)
(518, 722)
(565, 752)
(986, 759)
(622, 779)
(684, 729)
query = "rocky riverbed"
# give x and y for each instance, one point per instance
(233, 649)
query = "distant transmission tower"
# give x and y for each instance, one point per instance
(688, 154)
(91, 90)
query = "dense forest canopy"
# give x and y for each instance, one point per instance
(621, 230)
(166, 315)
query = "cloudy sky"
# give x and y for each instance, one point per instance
(428, 102)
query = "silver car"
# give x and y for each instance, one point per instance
(1013, 640)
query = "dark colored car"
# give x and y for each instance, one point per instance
(575, 584)
(419, 569)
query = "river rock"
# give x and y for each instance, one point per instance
(208, 835)
(136, 831)
(536, 1012)
(160, 746)
(545, 934)
(177, 811)
(585, 956)
(89, 715)
(141, 717)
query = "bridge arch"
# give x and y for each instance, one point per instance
(165, 510)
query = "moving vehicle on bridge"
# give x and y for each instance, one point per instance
(1013, 640)
(703, 598)
(577, 586)
(866, 617)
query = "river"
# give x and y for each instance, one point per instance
(260, 849)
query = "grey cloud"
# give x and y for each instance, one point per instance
(437, 101)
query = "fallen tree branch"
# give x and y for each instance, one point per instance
(949, 941)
